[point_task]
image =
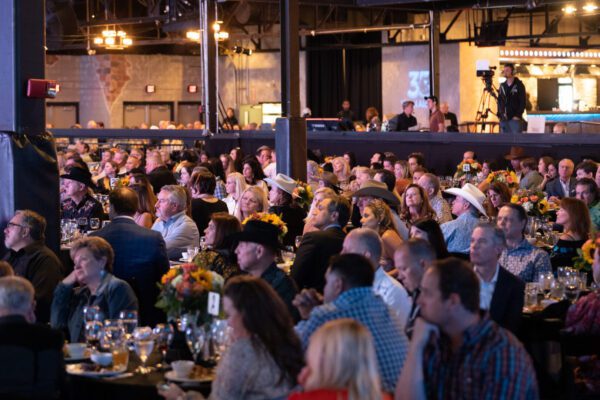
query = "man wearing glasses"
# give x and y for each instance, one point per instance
(24, 237)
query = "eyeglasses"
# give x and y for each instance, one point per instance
(13, 224)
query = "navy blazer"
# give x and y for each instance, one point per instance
(554, 188)
(507, 301)
(140, 260)
(312, 257)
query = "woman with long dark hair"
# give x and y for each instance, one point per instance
(265, 356)
(254, 174)
(204, 203)
(429, 229)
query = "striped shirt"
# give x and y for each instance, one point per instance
(490, 364)
(362, 305)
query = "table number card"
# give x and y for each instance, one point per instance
(213, 303)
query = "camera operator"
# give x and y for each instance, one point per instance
(511, 102)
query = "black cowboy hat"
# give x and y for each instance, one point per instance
(260, 232)
(80, 175)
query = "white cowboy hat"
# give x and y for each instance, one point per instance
(471, 194)
(283, 182)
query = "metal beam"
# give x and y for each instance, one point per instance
(434, 52)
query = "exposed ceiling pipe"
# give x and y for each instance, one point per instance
(529, 4)
(315, 32)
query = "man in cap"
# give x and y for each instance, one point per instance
(467, 206)
(515, 156)
(256, 252)
(78, 202)
(281, 197)
(436, 117)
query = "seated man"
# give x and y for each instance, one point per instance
(32, 361)
(158, 174)
(177, 229)
(466, 206)
(455, 352)
(431, 184)
(411, 260)
(78, 202)
(313, 254)
(140, 253)
(520, 258)
(587, 191)
(349, 294)
(531, 177)
(366, 242)
(500, 292)
(564, 186)
(256, 252)
(24, 237)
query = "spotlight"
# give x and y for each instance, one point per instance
(590, 7)
(570, 9)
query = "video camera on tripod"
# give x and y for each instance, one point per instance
(486, 73)
(486, 76)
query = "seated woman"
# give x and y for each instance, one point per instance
(265, 355)
(574, 216)
(376, 215)
(185, 172)
(332, 372)
(204, 203)
(341, 169)
(320, 195)
(145, 214)
(111, 169)
(90, 284)
(227, 163)
(284, 204)
(497, 195)
(218, 256)
(549, 170)
(253, 200)
(415, 204)
(253, 173)
(429, 230)
(312, 174)
(402, 173)
(234, 186)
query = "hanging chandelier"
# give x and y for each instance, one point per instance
(112, 39)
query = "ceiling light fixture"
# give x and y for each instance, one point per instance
(112, 39)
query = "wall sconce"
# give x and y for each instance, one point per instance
(150, 88)
(192, 88)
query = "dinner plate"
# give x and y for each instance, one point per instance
(77, 359)
(203, 378)
(76, 369)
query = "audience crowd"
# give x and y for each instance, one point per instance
(403, 285)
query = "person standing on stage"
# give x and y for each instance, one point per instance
(511, 102)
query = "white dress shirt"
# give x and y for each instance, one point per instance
(393, 294)
(486, 289)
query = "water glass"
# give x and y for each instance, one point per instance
(545, 281)
(221, 333)
(95, 223)
(202, 243)
(130, 321)
(163, 334)
(572, 287)
(120, 354)
(194, 337)
(583, 279)
(557, 290)
(143, 344)
(94, 332)
(531, 293)
(82, 224)
(298, 241)
(114, 331)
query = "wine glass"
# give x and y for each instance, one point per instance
(163, 334)
(143, 344)
(130, 321)
(298, 241)
(194, 337)
(91, 313)
(572, 287)
(221, 332)
(82, 224)
(93, 333)
(203, 243)
(114, 331)
(545, 281)
(95, 223)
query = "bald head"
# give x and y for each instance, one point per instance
(365, 242)
(565, 169)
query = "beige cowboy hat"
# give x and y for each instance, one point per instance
(471, 194)
(283, 182)
(377, 189)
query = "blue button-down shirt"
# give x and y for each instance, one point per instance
(526, 261)
(362, 305)
(179, 232)
(457, 233)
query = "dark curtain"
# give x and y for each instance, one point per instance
(325, 83)
(326, 86)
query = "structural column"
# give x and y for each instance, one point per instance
(211, 107)
(290, 139)
(434, 53)
(29, 178)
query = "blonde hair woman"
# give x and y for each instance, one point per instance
(342, 170)
(253, 200)
(377, 216)
(234, 186)
(333, 372)
(320, 195)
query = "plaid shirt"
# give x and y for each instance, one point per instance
(220, 192)
(457, 233)
(490, 364)
(362, 305)
(526, 261)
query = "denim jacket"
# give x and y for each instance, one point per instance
(113, 296)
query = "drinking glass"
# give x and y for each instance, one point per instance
(163, 334)
(287, 254)
(194, 337)
(191, 253)
(91, 313)
(561, 273)
(221, 332)
(143, 344)
(114, 331)
(298, 241)
(531, 292)
(130, 321)
(95, 223)
(203, 243)
(93, 333)
(120, 354)
(557, 290)
(583, 279)
(82, 224)
(572, 287)
(545, 281)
